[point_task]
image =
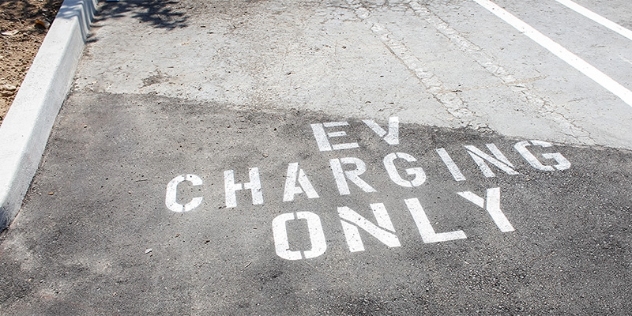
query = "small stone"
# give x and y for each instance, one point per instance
(8, 87)
(42, 23)
(148, 250)
(10, 33)
(51, 193)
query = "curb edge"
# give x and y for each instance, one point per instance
(25, 130)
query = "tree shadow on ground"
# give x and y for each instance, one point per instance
(158, 13)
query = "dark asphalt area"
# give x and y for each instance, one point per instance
(95, 235)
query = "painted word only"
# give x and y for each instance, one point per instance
(383, 229)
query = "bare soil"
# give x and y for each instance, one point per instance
(23, 26)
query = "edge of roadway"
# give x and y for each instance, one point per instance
(27, 126)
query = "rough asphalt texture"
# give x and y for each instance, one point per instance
(95, 236)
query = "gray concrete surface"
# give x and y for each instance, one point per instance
(245, 158)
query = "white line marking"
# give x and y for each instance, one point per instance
(543, 105)
(559, 51)
(597, 18)
(625, 59)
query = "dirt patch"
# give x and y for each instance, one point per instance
(23, 26)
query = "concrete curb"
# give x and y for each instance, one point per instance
(26, 128)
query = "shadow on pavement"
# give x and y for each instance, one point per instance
(160, 14)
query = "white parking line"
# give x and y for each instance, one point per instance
(597, 18)
(543, 105)
(559, 51)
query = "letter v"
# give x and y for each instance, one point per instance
(392, 137)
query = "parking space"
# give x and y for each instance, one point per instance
(331, 157)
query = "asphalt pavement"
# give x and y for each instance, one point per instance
(336, 157)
